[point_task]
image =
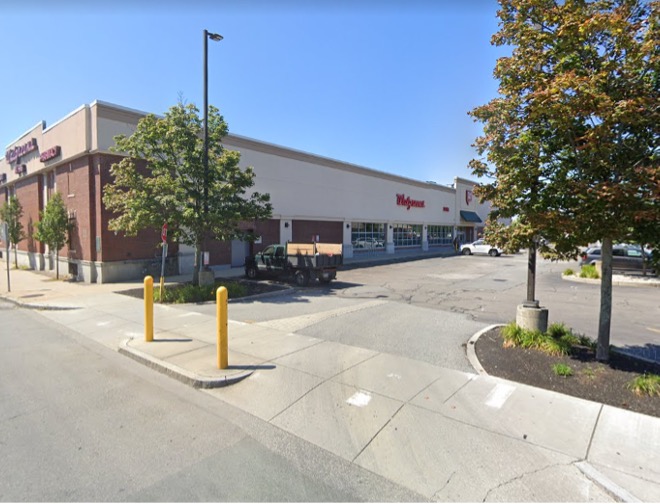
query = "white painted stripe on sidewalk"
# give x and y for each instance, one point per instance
(499, 395)
(359, 399)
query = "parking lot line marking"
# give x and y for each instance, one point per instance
(499, 395)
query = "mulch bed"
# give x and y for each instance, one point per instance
(591, 380)
(253, 287)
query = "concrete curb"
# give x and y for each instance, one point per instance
(600, 479)
(471, 352)
(587, 469)
(34, 306)
(623, 283)
(184, 376)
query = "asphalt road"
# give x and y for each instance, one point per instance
(79, 422)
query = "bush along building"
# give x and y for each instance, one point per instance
(314, 198)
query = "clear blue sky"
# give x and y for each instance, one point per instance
(382, 84)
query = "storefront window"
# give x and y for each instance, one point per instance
(368, 235)
(407, 235)
(440, 235)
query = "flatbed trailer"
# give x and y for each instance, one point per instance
(304, 262)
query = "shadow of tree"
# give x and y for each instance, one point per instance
(648, 351)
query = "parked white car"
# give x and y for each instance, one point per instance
(480, 247)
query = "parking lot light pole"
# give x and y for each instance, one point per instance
(216, 37)
(205, 156)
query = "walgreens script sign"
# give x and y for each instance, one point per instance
(408, 202)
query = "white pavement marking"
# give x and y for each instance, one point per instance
(499, 395)
(359, 399)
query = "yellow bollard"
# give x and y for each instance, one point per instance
(148, 308)
(221, 303)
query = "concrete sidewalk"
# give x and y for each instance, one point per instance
(446, 434)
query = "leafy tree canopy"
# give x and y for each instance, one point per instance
(571, 144)
(11, 213)
(53, 227)
(54, 224)
(171, 186)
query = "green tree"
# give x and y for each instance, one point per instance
(171, 186)
(11, 213)
(571, 143)
(53, 227)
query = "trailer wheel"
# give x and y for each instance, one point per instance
(326, 278)
(251, 272)
(302, 278)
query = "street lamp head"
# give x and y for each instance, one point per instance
(215, 36)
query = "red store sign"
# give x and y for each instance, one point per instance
(51, 153)
(13, 154)
(408, 202)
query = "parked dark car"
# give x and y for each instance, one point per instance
(624, 258)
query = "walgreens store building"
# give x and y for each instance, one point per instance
(314, 199)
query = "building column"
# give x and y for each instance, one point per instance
(389, 238)
(347, 247)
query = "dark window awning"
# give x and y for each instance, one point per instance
(470, 216)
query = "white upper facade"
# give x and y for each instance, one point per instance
(301, 185)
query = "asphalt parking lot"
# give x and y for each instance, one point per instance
(428, 309)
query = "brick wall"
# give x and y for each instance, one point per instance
(28, 192)
(328, 232)
(72, 182)
(268, 230)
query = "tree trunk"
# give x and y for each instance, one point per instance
(603, 347)
(15, 256)
(531, 278)
(57, 266)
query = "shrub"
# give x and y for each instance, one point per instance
(557, 329)
(562, 370)
(558, 339)
(587, 342)
(589, 271)
(555, 347)
(569, 272)
(510, 334)
(648, 384)
(188, 293)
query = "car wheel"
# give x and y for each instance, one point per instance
(493, 253)
(467, 251)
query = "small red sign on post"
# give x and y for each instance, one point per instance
(163, 233)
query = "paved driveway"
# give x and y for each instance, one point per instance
(428, 309)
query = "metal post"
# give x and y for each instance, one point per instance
(6, 237)
(205, 156)
(221, 320)
(206, 123)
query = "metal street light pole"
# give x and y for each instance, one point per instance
(216, 37)
(213, 36)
